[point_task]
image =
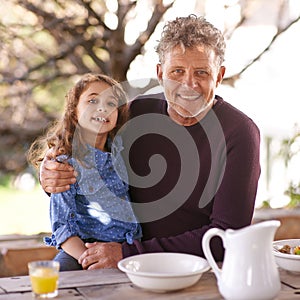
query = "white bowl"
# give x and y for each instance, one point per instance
(164, 271)
(289, 262)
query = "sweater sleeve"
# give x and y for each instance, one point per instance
(233, 203)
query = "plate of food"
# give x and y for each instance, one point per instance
(287, 254)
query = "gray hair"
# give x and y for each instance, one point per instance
(189, 32)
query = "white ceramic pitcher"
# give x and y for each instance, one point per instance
(249, 271)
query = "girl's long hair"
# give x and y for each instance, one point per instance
(62, 135)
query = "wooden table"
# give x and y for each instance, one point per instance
(113, 284)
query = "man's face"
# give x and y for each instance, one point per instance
(189, 78)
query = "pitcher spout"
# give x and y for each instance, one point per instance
(265, 229)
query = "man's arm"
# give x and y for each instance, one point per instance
(56, 177)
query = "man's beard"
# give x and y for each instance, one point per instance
(188, 114)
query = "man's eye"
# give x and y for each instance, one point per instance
(178, 71)
(202, 72)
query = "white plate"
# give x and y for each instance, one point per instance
(290, 262)
(163, 272)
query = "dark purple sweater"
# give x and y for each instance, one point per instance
(186, 180)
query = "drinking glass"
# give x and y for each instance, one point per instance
(44, 278)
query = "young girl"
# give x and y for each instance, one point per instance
(97, 207)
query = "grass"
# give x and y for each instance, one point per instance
(23, 211)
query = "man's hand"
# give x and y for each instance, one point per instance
(101, 255)
(55, 177)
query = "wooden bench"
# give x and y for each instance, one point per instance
(289, 218)
(17, 250)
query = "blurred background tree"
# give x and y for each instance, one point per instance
(45, 45)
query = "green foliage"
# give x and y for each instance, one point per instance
(5, 180)
(52, 98)
(290, 148)
(293, 192)
(23, 211)
(266, 204)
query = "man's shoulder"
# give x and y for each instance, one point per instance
(149, 97)
(147, 103)
(228, 111)
(232, 117)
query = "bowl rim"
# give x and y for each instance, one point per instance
(122, 267)
(286, 255)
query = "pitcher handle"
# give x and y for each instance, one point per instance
(206, 248)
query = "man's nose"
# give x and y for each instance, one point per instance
(189, 80)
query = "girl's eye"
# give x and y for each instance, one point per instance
(93, 100)
(112, 104)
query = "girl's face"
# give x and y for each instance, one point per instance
(97, 111)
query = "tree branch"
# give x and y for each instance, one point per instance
(231, 80)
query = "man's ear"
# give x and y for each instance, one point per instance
(159, 73)
(220, 75)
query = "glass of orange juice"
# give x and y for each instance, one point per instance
(44, 278)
